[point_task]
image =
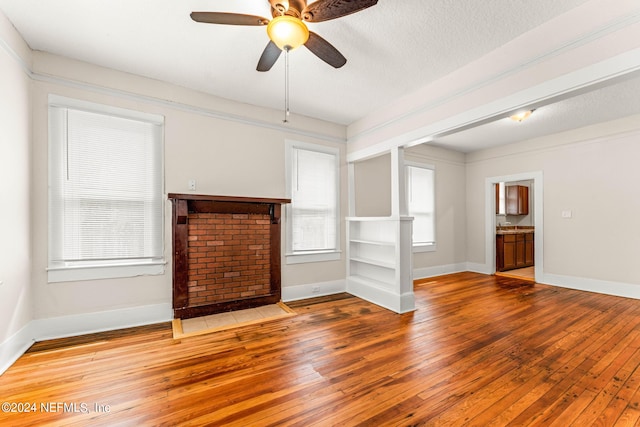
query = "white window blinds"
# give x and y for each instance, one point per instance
(106, 189)
(314, 200)
(421, 200)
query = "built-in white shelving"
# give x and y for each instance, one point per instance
(379, 249)
(380, 259)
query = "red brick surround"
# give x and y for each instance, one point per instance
(229, 257)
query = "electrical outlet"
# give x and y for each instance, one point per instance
(192, 184)
(315, 289)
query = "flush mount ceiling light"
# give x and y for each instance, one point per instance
(522, 115)
(287, 32)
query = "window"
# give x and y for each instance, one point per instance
(421, 205)
(312, 216)
(106, 202)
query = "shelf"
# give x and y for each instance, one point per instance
(379, 267)
(385, 264)
(373, 242)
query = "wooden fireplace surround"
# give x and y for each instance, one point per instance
(182, 206)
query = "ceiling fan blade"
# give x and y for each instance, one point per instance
(269, 57)
(228, 18)
(324, 10)
(325, 50)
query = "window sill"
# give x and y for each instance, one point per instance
(425, 247)
(321, 256)
(71, 274)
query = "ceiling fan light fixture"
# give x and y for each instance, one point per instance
(287, 32)
(522, 115)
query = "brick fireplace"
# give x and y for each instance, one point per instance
(226, 253)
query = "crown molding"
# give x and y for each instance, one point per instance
(181, 106)
(595, 34)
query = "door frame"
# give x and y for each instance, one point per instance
(538, 219)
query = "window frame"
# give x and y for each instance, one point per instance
(298, 257)
(431, 246)
(57, 272)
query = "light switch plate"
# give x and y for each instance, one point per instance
(192, 184)
(566, 214)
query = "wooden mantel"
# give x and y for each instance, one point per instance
(185, 205)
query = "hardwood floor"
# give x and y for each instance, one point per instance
(479, 350)
(527, 273)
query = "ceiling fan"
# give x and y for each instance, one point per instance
(287, 30)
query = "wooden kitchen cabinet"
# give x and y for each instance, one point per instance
(520, 251)
(505, 252)
(517, 200)
(528, 249)
(514, 251)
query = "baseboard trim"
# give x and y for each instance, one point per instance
(13, 348)
(313, 290)
(79, 324)
(398, 303)
(439, 270)
(606, 287)
(478, 268)
(88, 323)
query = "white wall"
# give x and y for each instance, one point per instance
(372, 182)
(15, 211)
(229, 148)
(205, 139)
(592, 172)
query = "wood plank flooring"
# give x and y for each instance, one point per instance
(479, 351)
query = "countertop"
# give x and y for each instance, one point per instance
(514, 230)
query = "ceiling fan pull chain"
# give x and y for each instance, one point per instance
(286, 86)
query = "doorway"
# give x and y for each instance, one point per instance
(534, 220)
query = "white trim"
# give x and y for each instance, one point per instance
(490, 219)
(88, 323)
(14, 347)
(586, 38)
(627, 290)
(558, 88)
(438, 270)
(402, 303)
(418, 247)
(13, 54)
(424, 247)
(80, 324)
(136, 97)
(88, 270)
(320, 256)
(69, 274)
(313, 290)
(94, 107)
(180, 106)
(479, 268)
(291, 256)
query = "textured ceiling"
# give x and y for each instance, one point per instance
(392, 49)
(607, 103)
